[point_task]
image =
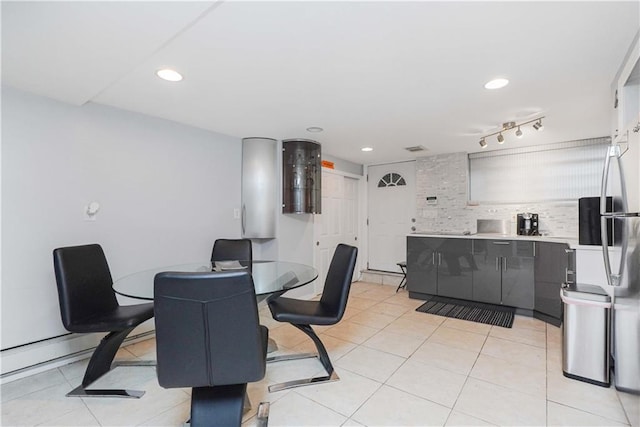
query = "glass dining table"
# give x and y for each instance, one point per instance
(270, 278)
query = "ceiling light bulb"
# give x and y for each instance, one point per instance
(519, 133)
(500, 138)
(496, 83)
(483, 143)
(367, 149)
(169, 75)
(538, 125)
(314, 129)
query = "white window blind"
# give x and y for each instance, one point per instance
(553, 172)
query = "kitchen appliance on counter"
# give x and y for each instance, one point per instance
(527, 224)
(589, 221)
(493, 226)
(622, 267)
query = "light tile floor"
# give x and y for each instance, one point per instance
(397, 367)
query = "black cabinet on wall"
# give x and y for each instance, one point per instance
(440, 266)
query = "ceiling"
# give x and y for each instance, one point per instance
(387, 75)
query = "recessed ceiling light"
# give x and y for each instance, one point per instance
(314, 129)
(496, 83)
(367, 149)
(169, 75)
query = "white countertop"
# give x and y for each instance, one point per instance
(571, 241)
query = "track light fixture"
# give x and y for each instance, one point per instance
(538, 125)
(512, 125)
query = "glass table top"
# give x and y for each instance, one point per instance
(268, 276)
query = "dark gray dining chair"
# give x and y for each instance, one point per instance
(208, 338)
(232, 250)
(327, 311)
(88, 304)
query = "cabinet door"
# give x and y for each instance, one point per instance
(518, 282)
(551, 261)
(455, 268)
(422, 274)
(518, 276)
(487, 276)
(547, 299)
(551, 264)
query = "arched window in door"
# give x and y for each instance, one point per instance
(391, 180)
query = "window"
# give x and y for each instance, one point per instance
(553, 172)
(391, 180)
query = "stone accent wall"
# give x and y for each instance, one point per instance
(446, 176)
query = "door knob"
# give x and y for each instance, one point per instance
(413, 229)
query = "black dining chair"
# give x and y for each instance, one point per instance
(88, 304)
(327, 311)
(209, 338)
(232, 250)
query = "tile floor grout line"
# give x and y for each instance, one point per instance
(424, 340)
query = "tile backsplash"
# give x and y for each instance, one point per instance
(446, 176)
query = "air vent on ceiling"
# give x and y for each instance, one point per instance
(415, 148)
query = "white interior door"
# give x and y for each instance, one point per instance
(391, 212)
(338, 222)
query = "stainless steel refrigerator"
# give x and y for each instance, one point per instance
(622, 266)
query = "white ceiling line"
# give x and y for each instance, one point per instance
(187, 27)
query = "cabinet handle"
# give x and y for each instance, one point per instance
(433, 258)
(504, 266)
(501, 243)
(497, 260)
(439, 258)
(534, 249)
(568, 272)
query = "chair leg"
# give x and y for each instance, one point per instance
(262, 418)
(403, 282)
(100, 364)
(322, 355)
(217, 406)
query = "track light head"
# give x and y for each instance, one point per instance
(518, 133)
(538, 125)
(500, 138)
(483, 143)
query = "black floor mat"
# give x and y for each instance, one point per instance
(490, 314)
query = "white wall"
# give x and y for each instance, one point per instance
(166, 192)
(446, 176)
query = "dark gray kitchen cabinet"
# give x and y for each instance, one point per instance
(505, 272)
(422, 274)
(554, 264)
(455, 268)
(487, 278)
(439, 266)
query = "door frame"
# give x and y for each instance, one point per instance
(364, 245)
(362, 219)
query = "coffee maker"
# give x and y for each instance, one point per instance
(527, 224)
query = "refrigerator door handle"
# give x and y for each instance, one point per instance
(612, 279)
(605, 249)
(613, 150)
